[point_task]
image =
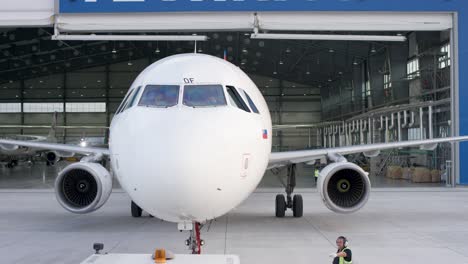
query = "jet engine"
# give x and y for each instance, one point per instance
(51, 157)
(83, 187)
(344, 187)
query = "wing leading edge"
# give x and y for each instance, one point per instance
(55, 146)
(278, 159)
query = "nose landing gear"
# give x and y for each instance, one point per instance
(292, 202)
(194, 242)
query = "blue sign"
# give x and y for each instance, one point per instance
(123, 6)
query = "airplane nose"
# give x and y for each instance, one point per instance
(189, 170)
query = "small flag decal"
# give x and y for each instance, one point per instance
(265, 134)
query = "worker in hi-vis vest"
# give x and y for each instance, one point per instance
(343, 255)
(316, 174)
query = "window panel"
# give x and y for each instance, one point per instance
(85, 107)
(204, 95)
(160, 96)
(444, 59)
(251, 103)
(236, 99)
(10, 107)
(412, 68)
(133, 101)
(42, 107)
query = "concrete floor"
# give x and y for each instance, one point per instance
(424, 225)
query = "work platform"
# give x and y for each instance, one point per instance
(417, 225)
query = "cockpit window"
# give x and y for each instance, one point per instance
(251, 103)
(160, 96)
(204, 95)
(236, 99)
(119, 109)
(133, 97)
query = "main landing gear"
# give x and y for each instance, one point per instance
(295, 202)
(11, 164)
(136, 210)
(194, 242)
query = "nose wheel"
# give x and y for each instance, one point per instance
(293, 202)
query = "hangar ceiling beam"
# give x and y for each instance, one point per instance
(336, 37)
(94, 37)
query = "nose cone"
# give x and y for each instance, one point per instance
(191, 166)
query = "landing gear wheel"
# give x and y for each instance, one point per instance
(297, 206)
(280, 208)
(136, 210)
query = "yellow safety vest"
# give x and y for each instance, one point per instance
(316, 173)
(343, 261)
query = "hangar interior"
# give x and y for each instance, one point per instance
(340, 92)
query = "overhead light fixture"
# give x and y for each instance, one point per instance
(157, 51)
(83, 143)
(281, 62)
(331, 50)
(114, 51)
(328, 37)
(308, 72)
(94, 37)
(288, 50)
(373, 50)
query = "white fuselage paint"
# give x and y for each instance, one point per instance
(184, 164)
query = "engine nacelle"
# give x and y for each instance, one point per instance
(344, 187)
(83, 187)
(52, 157)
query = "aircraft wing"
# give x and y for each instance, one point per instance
(278, 159)
(10, 144)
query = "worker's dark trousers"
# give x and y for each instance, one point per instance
(336, 260)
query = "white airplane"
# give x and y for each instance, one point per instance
(192, 140)
(13, 153)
